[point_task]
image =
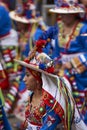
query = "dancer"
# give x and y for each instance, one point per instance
(50, 101)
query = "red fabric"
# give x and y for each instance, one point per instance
(40, 44)
(4, 84)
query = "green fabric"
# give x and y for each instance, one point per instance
(2, 97)
(69, 106)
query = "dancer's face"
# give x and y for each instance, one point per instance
(65, 17)
(30, 80)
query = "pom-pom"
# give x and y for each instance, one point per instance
(26, 60)
(50, 69)
(40, 44)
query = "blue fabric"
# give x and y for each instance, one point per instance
(22, 86)
(50, 124)
(4, 118)
(85, 118)
(37, 34)
(29, 14)
(25, 52)
(5, 21)
(50, 33)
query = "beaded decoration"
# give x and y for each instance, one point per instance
(35, 116)
(65, 41)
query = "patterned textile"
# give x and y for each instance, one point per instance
(4, 124)
(12, 73)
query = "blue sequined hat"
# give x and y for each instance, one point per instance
(67, 6)
(25, 12)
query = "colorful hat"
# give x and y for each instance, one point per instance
(67, 7)
(40, 62)
(25, 12)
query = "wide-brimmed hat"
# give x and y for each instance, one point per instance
(38, 60)
(41, 62)
(67, 7)
(25, 12)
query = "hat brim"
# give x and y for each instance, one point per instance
(22, 19)
(66, 11)
(33, 67)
